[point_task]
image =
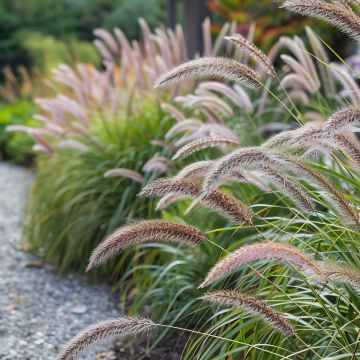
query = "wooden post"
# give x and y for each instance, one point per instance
(171, 7)
(195, 13)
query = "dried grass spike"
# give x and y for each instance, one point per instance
(261, 251)
(290, 188)
(173, 111)
(225, 204)
(183, 126)
(348, 143)
(342, 119)
(347, 212)
(122, 326)
(142, 232)
(338, 16)
(219, 68)
(128, 173)
(225, 165)
(342, 273)
(240, 41)
(253, 305)
(201, 144)
(195, 170)
(168, 200)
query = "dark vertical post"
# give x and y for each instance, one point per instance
(171, 7)
(195, 13)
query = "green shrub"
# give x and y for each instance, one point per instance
(72, 206)
(16, 146)
(66, 21)
(324, 313)
(47, 52)
(126, 16)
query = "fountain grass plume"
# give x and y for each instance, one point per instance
(203, 143)
(255, 306)
(342, 273)
(254, 51)
(252, 157)
(142, 232)
(120, 327)
(342, 119)
(261, 251)
(127, 173)
(225, 204)
(218, 68)
(341, 17)
(290, 188)
(347, 212)
(195, 170)
(350, 145)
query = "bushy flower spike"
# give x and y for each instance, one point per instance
(238, 158)
(341, 120)
(128, 173)
(261, 251)
(195, 170)
(219, 68)
(204, 143)
(349, 144)
(255, 306)
(123, 326)
(225, 204)
(254, 51)
(341, 17)
(182, 126)
(347, 212)
(143, 232)
(342, 273)
(290, 188)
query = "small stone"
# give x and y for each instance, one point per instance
(35, 264)
(79, 309)
(39, 341)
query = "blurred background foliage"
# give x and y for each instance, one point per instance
(43, 33)
(16, 146)
(87, 206)
(72, 206)
(271, 22)
(61, 29)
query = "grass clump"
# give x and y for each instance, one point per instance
(295, 198)
(72, 206)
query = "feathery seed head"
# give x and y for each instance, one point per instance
(219, 68)
(195, 170)
(349, 144)
(342, 119)
(122, 326)
(342, 273)
(349, 214)
(225, 204)
(142, 232)
(241, 157)
(168, 200)
(201, 144)
(128, 173)
(250, 48)
(341, 17)
(261, 251)
(254, 306)
(290, 188)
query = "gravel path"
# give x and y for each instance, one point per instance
(39, 311)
